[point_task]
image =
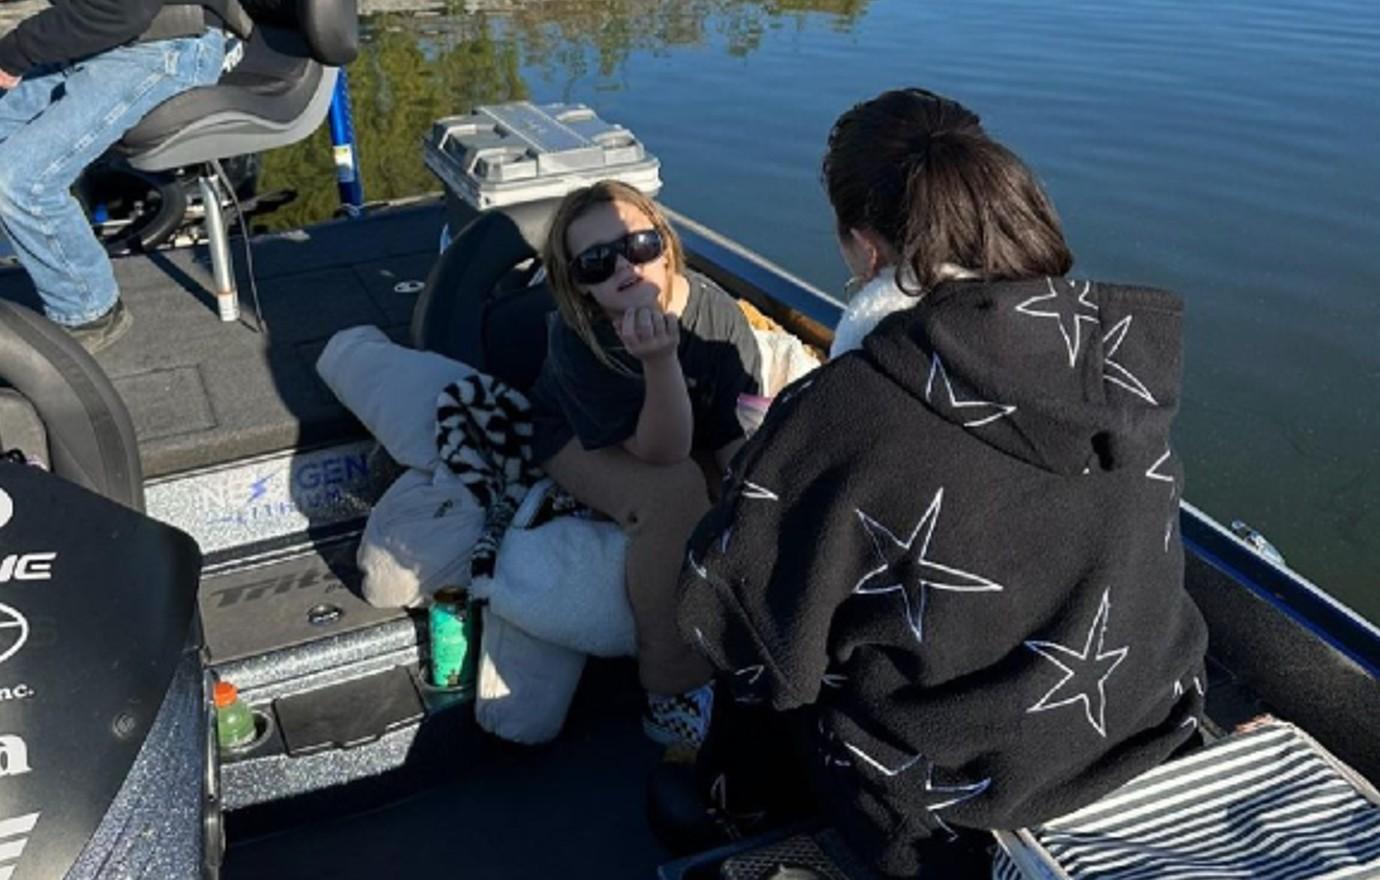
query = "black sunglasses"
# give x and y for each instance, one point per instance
(597, 263)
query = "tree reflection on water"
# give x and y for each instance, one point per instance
(414, 69)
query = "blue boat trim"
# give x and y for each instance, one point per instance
(1288, 592)
(781, 285)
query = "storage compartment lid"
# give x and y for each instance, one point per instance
(349, 713)
(511, 154)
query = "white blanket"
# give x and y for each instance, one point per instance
(525, 685)
(563, 581)
(784, 359)
(420, 535)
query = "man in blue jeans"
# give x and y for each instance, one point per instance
(73, 79)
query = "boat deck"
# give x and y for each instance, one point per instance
(573, 809)
(202, 391)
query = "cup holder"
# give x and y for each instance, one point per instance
(434, 695)
(263, 730)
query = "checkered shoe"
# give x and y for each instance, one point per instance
(681, 719)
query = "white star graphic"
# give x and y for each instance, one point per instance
(911, 573)
(757, 492)
(695, 566)
(1153, 472)
(951, 794)
(948, 794)
(708, 649)
(879, 766)
(1197, 686)
(1190, 721)
(1085, 661)
(986, 410)
(1114, 372)
(827, 747)
(751, 674)
(699, 637)
(1066, 310)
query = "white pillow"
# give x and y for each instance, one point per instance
(391, 389)
(418, 539)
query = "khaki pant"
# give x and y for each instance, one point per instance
(658, 507)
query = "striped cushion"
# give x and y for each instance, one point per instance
(1268, 803)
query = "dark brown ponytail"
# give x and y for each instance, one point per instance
(918, 169)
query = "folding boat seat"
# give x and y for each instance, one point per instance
(483, 303)
(1269, 803)
(275, 95)
(57, 406)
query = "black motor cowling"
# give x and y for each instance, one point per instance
(107, 766)
(103, 722)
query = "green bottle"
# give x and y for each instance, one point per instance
(234, 721)
(454, 648)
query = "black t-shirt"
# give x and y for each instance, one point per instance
(578, 395)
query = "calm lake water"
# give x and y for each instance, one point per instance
(1221, 148)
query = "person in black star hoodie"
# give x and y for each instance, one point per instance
(947, 569)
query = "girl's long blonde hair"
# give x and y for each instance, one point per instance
(578, 308)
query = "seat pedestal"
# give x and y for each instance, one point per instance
(222, 266)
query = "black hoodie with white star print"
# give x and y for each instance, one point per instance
(959, 545)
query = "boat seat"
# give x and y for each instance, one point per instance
(483, 303)
(276, 94)
(269, 90)
(1269, 802)
(90, 439)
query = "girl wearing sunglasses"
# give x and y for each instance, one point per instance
(644, 366)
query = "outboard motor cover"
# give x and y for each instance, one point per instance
(105, 761)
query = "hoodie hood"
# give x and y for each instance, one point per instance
(1067, 375)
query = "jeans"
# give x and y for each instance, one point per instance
(61, 118)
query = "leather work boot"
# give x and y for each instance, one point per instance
(96, 334)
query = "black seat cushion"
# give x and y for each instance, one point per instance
(271, 86)
(331, 27)
(515, 332)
